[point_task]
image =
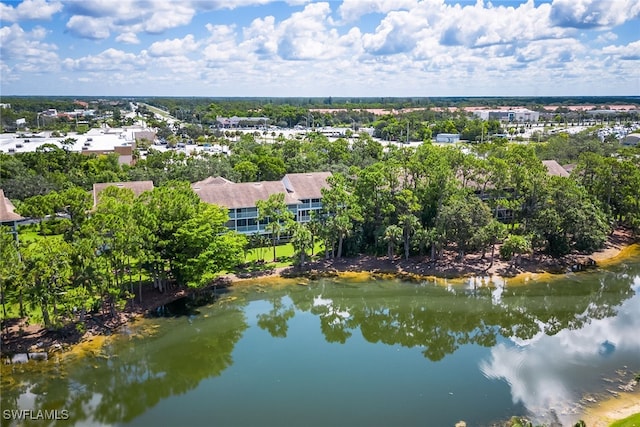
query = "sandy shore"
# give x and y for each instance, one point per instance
(602, 414)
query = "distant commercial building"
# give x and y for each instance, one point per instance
(51, 112)
(511, 115)
(239, 122)
(106, 140)
(448, 137)
(603, 112)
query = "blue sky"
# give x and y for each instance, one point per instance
(315, 48)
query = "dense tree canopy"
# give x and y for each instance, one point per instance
(166, 234)
(392, 200)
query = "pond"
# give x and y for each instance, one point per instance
(353, 353)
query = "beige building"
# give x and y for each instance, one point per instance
(302, 195)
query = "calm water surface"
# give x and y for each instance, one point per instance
(340, 353)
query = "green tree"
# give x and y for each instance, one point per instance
(461, 218)
(10, 263)
(302, 241)
(423, 238)
(120, 241)
(493, 232)
(392, 237)
(76, 202)
(247, 170)
(275, 210)
(567, 218)
(407, 207)
(168, 207)
(340, 204)
(206, 247)
(514, 247)
(48, 269)
(38, 207)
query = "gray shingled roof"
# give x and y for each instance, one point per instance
(138, 187)
(295, 186)
(217, 180)
(6, 209)
(242, 195)
(306, 185)
(555, 169)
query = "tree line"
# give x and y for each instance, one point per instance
(392, 201)
(165, 236)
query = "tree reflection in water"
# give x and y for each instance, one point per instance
(131, 375)
(440, 320)
(124, 379)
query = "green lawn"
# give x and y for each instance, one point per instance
(30, 233)
(284, 255)
(158, 111)
(631, 421)
(13, 309)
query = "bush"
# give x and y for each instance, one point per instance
(515, 245)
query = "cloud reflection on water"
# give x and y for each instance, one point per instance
(550, 373)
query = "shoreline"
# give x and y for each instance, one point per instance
(33, 338)
(606, 411)
(620, 246)
(599, 412)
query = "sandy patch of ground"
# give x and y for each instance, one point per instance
(613, 409)
(618, 245)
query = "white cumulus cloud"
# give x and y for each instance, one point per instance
(593, 13)
(173, 47)
(628, 52)
(26, 49)
(128, 38)
(108, 60)
(88, 27)
(30, 10)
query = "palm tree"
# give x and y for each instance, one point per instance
(392, 236)
(315, 227)
(343, 227)
(409, 225)
(301, 241)
(423, 238)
